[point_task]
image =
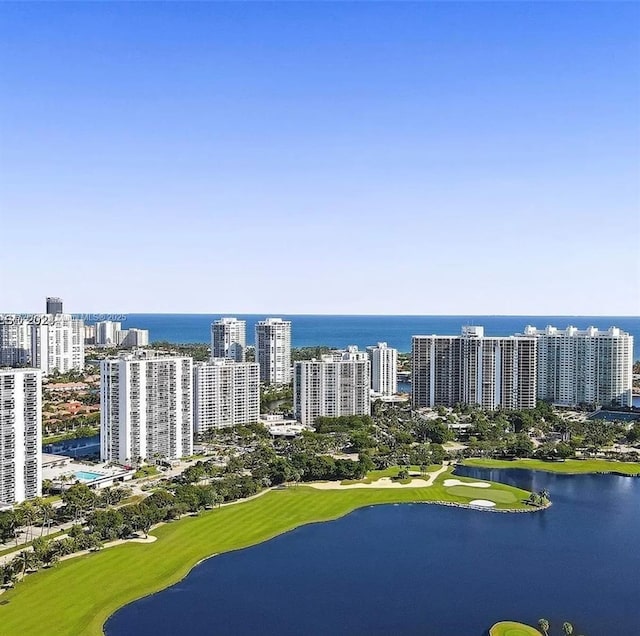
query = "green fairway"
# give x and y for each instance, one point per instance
(569, 466)
(374, 475)
(491, 494)
(511, 628)
(77, 596)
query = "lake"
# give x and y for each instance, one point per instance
(423, 569)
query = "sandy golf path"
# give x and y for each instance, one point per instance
(472, 484)
(383, 482)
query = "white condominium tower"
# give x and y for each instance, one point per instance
(20, 434)
(229, 339)
(584, 367)
(473, 369)
(15, 341)
(146, 407)
(331, 387)
(384, 369)
(133, 338)
(225, 393)
(273, 350)
(107, 333)
(57, 342)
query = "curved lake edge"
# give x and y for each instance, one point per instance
(353, 502)
(452, 504)
(561, 467)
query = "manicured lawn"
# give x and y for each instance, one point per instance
(491, 494)
(146, 471)
(78, 595)
(511, 628)
(63, 437)
(374, 475)
(569, 466)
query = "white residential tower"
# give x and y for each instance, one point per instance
(146, 407)
(20, 434)
(273, 350)
(225, 393)
(229, 339)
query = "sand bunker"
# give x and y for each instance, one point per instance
(384, 482)
(472, 484)
(482, 503)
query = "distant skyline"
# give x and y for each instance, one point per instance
(321, 158)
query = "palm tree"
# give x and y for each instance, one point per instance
(30, 516)
(543, 624)
(45, 511)
(567, 628)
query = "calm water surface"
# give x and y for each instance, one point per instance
(423, 569)
(340, 331)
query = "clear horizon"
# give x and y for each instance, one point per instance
(112, 315)
(331, 158)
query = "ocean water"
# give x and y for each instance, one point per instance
(340, 331)
(418, 569)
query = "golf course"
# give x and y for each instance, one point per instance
(78, 595)
(567, 466)
(511, 628)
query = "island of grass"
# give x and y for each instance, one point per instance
(567, 466)
(77, 596)
(511, 628)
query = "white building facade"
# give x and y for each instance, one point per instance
(331, 388)
(20, 434)
(490, 372)
(146, 407)
(225, 393)
(15, 341)
(273, 350)
(133, 338)
(588, 366)
(384, 369)
(229, 339)
(106, 334)
(57, 343)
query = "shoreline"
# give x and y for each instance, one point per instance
(233, 526)
(563, 467)
(182, 545)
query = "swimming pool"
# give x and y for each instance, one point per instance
(87, 476)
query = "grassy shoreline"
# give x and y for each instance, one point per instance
(568, 466)
(79, 595)
(512, 628)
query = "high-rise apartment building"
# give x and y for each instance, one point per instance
(225, 393)
(89, 334)
(474, 369)
(15, 341)
(229, 339)
(107, 333)
(20, 434)
(384, 369)
(57, 342)
(584, 366)
(54, 306)
(273, 350)
(146, 407)
(132, 338)
(331, 388)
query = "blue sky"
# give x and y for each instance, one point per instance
(393, 158)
